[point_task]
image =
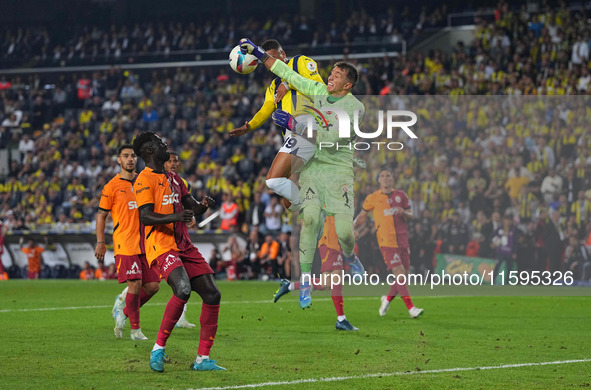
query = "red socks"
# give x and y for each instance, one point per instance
(337, 299)
(401, 289)
(144, 297)
(407, 301)
(133, 302)
(172, 313)
(132, 310)
(209, 327)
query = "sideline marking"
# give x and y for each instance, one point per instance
(389, 374)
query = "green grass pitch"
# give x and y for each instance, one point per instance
(71, 344)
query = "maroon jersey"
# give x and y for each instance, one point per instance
(181, 232)
(400, 199)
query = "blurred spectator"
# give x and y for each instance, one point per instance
(87, 272)
(33, 253)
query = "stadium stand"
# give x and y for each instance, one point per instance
(60, 130)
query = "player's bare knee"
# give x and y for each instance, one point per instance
(212, 297)
(182, 289)
(134, 286)
(151, 288)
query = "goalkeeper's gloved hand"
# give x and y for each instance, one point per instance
(286, 120)
(247, 46)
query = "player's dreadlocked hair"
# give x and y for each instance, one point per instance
(140, 140)
(271, 44)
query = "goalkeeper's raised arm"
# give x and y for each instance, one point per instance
(279, 95)
(300, 83)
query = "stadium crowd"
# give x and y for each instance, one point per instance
(90, 44)
(489, 165)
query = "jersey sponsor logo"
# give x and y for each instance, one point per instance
(142, 189)
(390, 211)
(345, 188)
(132, 204)
(105, 196)
(311, 66)
(170, 199)
(122, 191)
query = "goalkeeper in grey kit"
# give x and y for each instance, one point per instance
(326, 182)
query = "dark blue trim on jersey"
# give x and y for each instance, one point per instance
(294, 93)
(277, 83)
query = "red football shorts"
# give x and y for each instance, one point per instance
(192, 260)
(331, 259)
(394, 257)
(133, 268)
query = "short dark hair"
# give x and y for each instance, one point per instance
(124, 146)
(175, 153)
(352, 74)
(142, 139)
(271, 44)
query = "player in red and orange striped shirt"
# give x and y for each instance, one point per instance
(165, 207)
(391, 209)
(118, 199)
(331, 256)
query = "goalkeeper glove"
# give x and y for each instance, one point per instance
(247, 46)
(286, 120)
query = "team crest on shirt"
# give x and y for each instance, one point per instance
(397, 199)
(311, 66)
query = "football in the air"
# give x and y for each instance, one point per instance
(242, 63)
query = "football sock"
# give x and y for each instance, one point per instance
(407, 302)
(157, 347)
(172, 313)
(144, 297)
(306, 278)
(341, 318)
(337, 299)
(309, 237)
(132, 309)
(392, 293)
(315, 284)
(209, 327)
(285, 188)
(344, 227)
(200, 358)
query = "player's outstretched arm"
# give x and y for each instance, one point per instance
(279, 68)
(198, 208)
(101, 222)
(150, 218)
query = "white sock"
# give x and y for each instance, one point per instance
(285, 188)
(156, 347)
(291, 288)
(200, 358)
(341, 318)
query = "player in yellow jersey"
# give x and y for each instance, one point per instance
(296, 150)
